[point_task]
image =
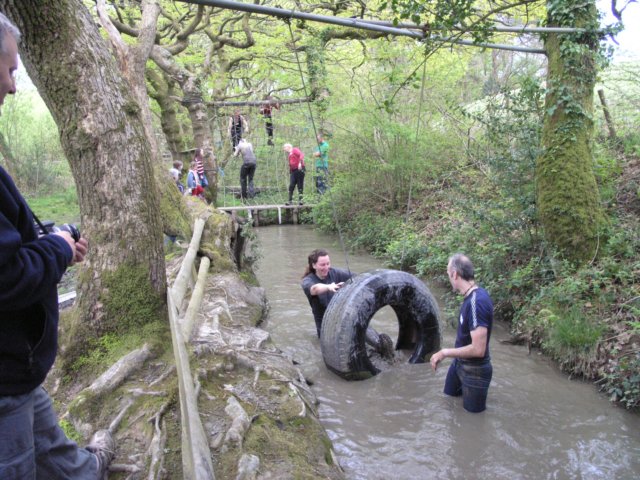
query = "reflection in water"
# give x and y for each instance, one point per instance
(399, 424)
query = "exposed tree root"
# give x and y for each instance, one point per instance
(239, 421)
(156, 447)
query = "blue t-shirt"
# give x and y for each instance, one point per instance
(319, 303)
(476, 311)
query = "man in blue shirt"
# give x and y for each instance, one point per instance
(32, 444)
(470, 372)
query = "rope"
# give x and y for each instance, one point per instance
(406, 217)
(313, 123)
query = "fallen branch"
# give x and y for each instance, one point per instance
(119, 371)
(138, 392)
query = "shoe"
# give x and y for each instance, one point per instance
(104, 448)
(288, 203)
(385, 346)
(300, 202)
(270, 142)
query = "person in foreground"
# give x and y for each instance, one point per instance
(320, 282)
(470, 372)
(32, 444)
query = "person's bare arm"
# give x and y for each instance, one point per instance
(475, 349)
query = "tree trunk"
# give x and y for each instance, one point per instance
(607, 115)
(164, 93)
(197, 108)
(567, 193)
(103, 137)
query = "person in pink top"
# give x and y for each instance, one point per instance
(296, 171)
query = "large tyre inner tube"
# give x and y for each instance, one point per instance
(345, 322)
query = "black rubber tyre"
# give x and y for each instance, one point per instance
(346, 320)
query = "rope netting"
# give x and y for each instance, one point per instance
(291, 124)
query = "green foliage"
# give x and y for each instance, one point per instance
(572, 331)
(407, 251)
(443, 16)
(623, 382)
(32, 138)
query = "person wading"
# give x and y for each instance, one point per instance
(470, 372)
(320, 282)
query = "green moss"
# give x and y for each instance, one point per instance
(175, 219)
(134, 314)
(70, 431)
(129, 299)
(293, 440)
(567, 193)
(102, 352)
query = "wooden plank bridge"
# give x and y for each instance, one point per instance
(253, 211)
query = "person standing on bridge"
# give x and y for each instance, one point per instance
(238, 126)
(266, 111)
(470, 372)
(322, 164)
(320, 282)
(296, 171)
(247, 169)
(32, 444)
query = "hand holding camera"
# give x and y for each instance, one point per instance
(71, 234)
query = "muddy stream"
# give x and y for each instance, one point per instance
(398, 424)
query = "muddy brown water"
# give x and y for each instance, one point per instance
(399, 425)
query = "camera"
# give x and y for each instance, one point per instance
(50, 227)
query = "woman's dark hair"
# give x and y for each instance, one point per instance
(313, 258)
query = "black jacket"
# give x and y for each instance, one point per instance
(30, 269)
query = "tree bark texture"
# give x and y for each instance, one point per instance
(104, 140)
(567, 193)
(165, 94)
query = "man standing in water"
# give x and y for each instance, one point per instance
(320, 282)
(32, 444)
(470, 372)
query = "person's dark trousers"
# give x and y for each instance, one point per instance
(296, 179)
(471, 379)
(34, 447)
(235, 139)
(246, 173)
(322, 175)
(269, 127)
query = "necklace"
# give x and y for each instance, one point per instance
(468, 289)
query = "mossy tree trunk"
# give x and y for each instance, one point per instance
(104, 139)
(164, 93)
(192, 100)
(567, 193)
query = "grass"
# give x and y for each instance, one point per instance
(60, 207)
